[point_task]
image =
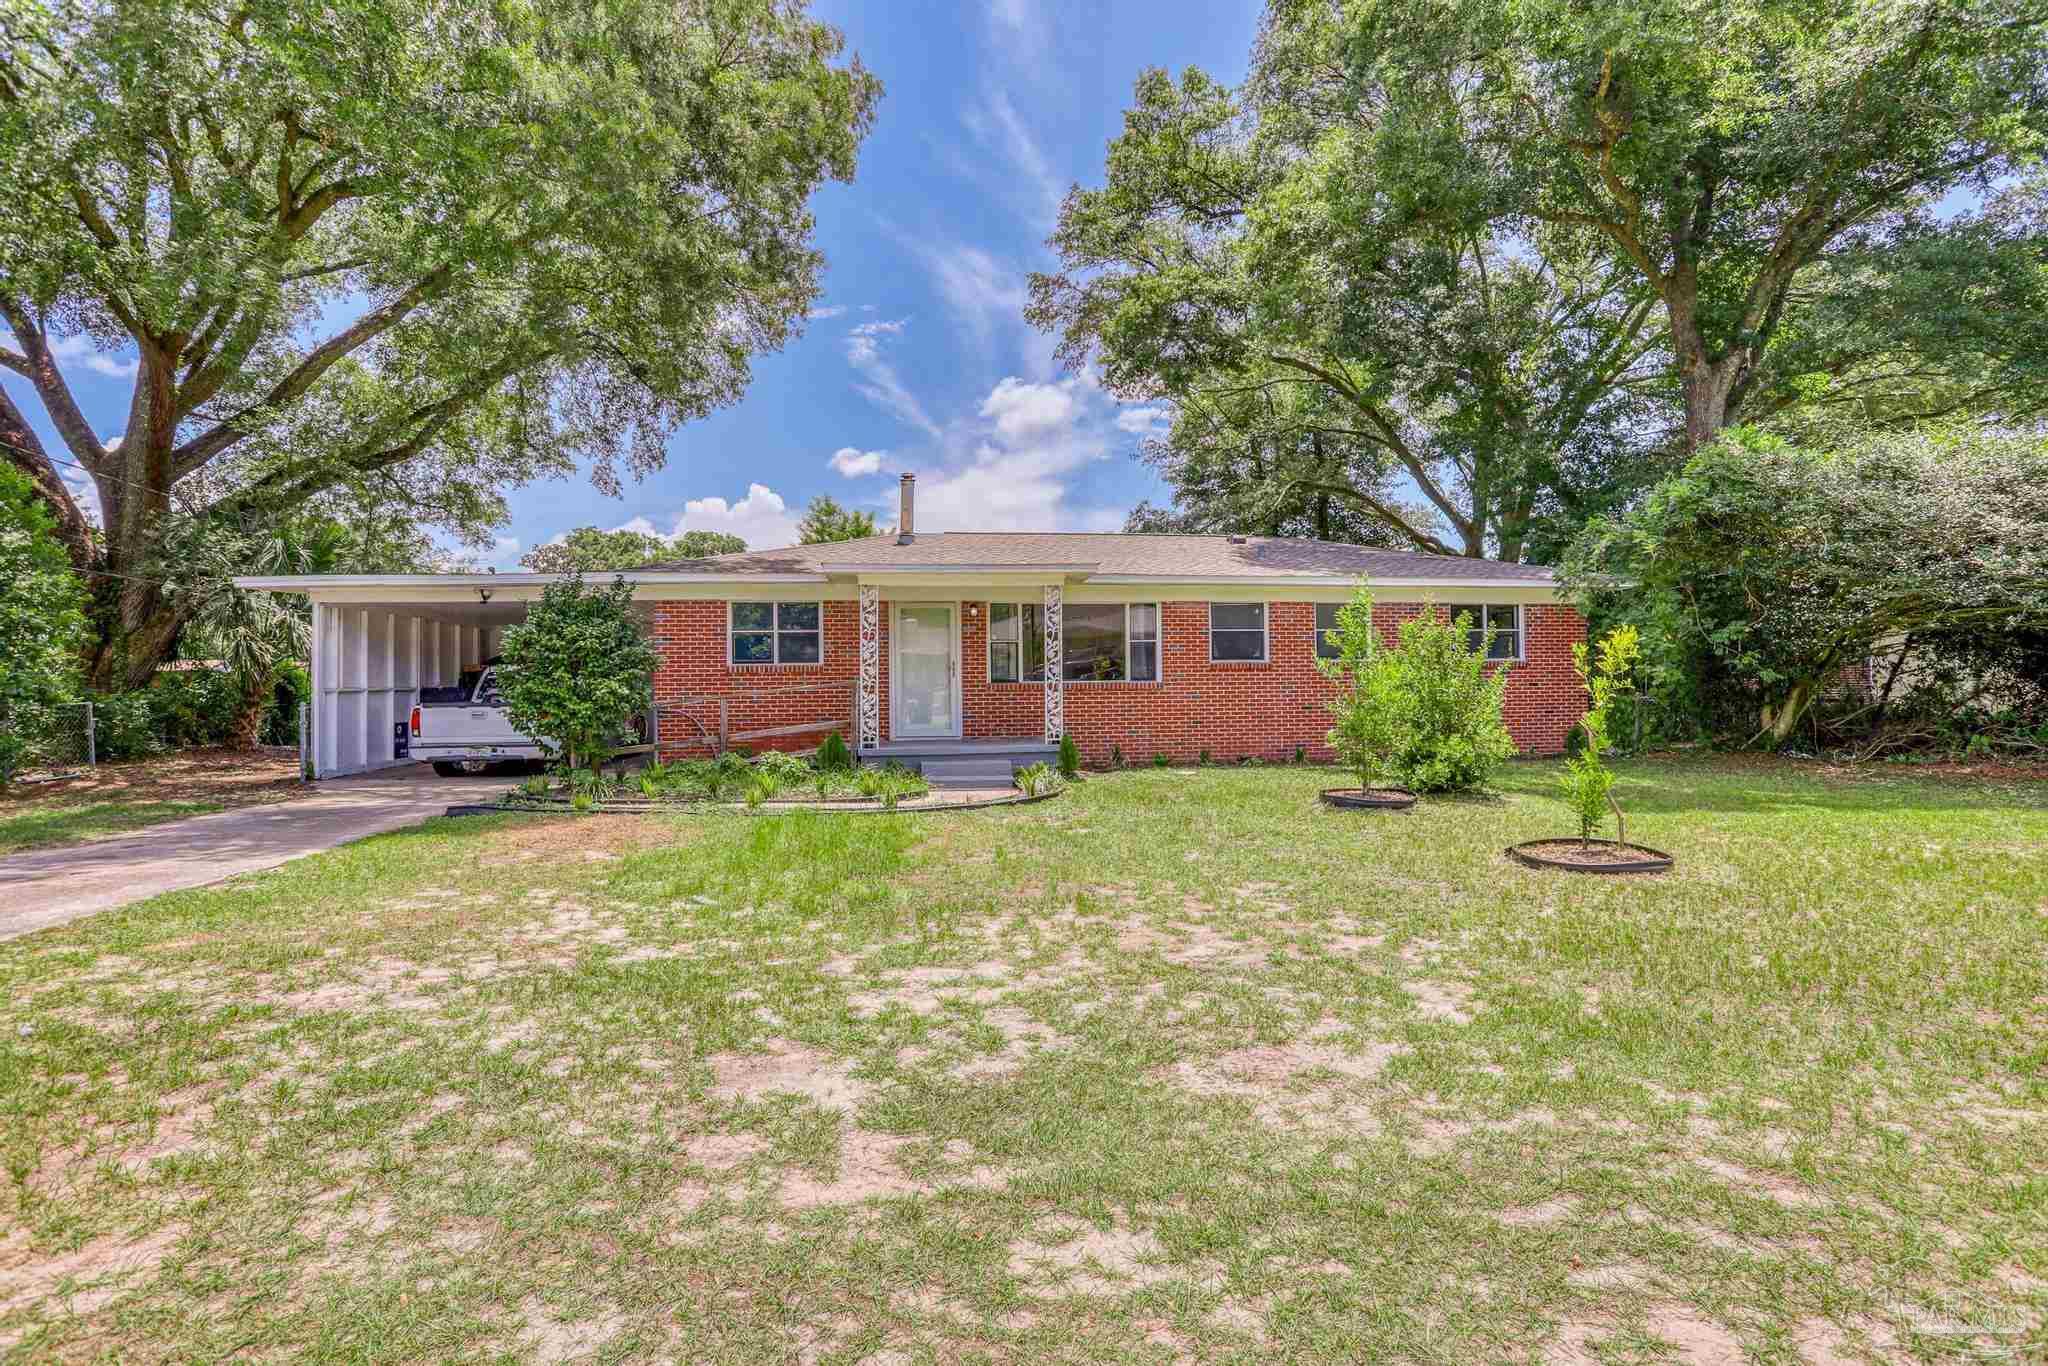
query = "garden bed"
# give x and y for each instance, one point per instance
(1574, 855)
(1358, 799)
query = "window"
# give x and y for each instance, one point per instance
(777, 633)
(1507, 629)
(1237, 632)
(1016, 642)
(1100, 642)
(1326, 622)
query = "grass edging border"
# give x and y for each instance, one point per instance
(1352, 799)
(1657, 862)
(848, 807)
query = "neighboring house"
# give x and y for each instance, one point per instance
(927, 644)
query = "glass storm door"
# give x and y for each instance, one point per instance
(925, 698)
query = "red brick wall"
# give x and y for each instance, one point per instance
(691, 639)
(1264, 710)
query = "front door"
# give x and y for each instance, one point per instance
(926, 681)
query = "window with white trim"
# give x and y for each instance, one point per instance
(1326, 622)
(1237, 632)
(777, 633)
(1100, 642)
(1506, 621)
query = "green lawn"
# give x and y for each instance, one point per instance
(38, 825)
(1177, 1067)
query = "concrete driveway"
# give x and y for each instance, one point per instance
(50, 886)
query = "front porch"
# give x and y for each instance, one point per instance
(963, 763)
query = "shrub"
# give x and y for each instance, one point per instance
(1301, 754)
(1587, 782)
(577, 670)
(124, 726)
(1160, 761)
(42, 612)
(1070, 757)
(192, 707)
(1203, 759)
(1037, 780)
(783, 767)
(1116, 756)
(833, 755)
(1456, 739)
(1374, 712)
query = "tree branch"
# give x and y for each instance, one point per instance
(50, 386)
(204, 447)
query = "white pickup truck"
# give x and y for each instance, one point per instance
(464, 729)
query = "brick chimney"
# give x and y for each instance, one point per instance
(906, 504)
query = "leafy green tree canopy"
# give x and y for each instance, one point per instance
(594, 551)
(825, 520)
(1741, 161)
(386, 245)
(42, 617)
(1457, 387)
(1766, 567)
(577, 670)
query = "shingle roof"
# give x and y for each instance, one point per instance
(1191, 557)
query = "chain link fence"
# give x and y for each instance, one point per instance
(45, 737)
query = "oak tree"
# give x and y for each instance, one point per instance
(399, 248)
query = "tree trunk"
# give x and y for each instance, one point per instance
(247, 731)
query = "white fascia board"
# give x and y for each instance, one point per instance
(469, 583)
(1284, 581)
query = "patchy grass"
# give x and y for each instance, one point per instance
(38, 825)
(1180, 1067)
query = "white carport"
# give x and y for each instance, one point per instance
(378, 639)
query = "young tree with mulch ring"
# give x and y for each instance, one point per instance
(1372, 715)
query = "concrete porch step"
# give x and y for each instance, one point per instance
(979, 771)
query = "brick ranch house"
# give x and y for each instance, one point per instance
(943, 647)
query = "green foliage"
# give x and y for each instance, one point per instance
(593, 550)
(124, 726)
(1070, 758)
(190, 707)
(833, 753)
(824, 520)
(1338, 365)
(1735, 165)
(1374, 711)
(1586, 782)
(1765, 567)
(1450, 697)
(42, 616)
(1160, 761)
(1038, 780)
(1116, 756)
(381, 245)
(577, 670)
(1202, 759)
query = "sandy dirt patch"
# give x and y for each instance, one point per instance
(788, 1069)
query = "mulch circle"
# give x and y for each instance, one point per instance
(1591, 856)
(1379, 799)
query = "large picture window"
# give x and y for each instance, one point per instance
(1100, 642)
(777, 633)
(1237, 632)
(1506, 620)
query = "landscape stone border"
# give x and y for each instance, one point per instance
(1657, 861)
(1379, 799)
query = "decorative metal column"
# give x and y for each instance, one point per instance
(1055, 685)
(868, 705)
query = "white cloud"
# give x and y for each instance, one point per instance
(761, 519)
(82, 350)
(504, 552)
(853, 463)
(1024, 411)
(980, 290)
(1020, 476)
(1143, 421)
(1019, 27)
(820, 314)
(884, 388)
(999, 128)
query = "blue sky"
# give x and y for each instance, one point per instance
(917, 357)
